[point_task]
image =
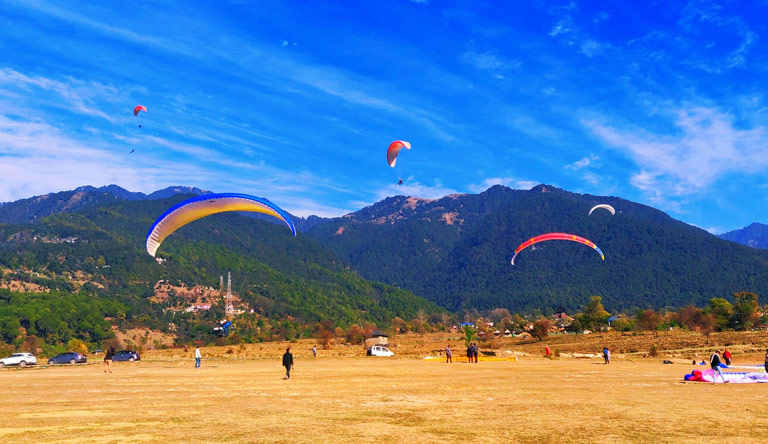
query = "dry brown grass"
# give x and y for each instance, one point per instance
(239, 397)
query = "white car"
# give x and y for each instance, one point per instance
(20, 359)
(379, 350)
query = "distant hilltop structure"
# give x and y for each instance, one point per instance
(229, 308)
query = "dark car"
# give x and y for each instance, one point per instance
(68, 358)
(126, 355)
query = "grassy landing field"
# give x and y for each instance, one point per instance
(163, 399)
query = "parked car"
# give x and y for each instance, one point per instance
(68, 358)
(379, 350)
(20, 359)
(126, 355)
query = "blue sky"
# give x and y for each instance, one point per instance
(660, 103)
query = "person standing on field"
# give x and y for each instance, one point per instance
(288, 362)
(766, 360)
(714, 362)
(108, 359)
(198, 357)
(475, 351)
(727, 356)
(607, 355)
(314, 351)
(448, 353)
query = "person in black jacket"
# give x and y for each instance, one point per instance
(288, 362)
(766, 360)
(108, 359)
(714, 362)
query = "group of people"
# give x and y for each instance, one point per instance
(472, 351)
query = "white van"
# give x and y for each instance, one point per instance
(379, 350)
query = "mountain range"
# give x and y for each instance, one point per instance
(456, 251)
(453, 252)
(754, 235)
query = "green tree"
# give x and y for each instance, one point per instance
(470, 334)
(575, 326)
(745, 308)
(541, 328)
(594, 313)
(722, 310)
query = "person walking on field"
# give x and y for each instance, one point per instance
(314, 351)
(198, 357)
(288, 362)
(448, 353)
(727, 356)
(766, 360)
(714, 362)
(108, 359)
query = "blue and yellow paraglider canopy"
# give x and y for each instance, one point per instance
(201, 206)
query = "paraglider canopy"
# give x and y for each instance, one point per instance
(201, 206)
(603, 206)
(137, 109)
(394, 150)
(556, 236)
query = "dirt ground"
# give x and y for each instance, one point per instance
(235, 398)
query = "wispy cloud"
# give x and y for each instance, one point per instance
(707, 146)
(703, 23)
(512, 182)
(412, 188)
(67, 15)
(72, 95)
(490, 62)
(592, 48)
(582, 163)
(37, 158)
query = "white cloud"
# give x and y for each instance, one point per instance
(412, 188)
(73, 95)
(36, 158)
(488, 61)
(706, 147)
(512, 182)
(600, 17)
(308, 207)
(560, 28)
(591, 48)
(582, 163)
(591, 178)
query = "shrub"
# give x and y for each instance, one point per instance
(77, 346)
